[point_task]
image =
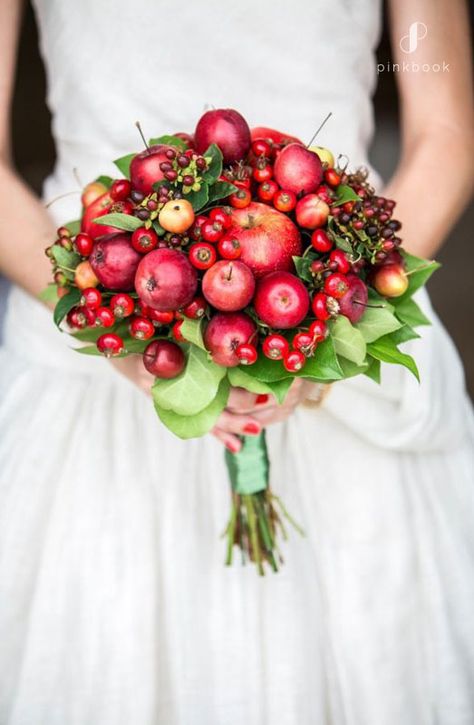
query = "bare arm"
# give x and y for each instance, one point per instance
(434, 179)
(25, 228)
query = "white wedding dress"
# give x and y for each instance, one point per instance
(115, 606)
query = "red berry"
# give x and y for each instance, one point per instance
(332, 178)
(91, 298)
(229, 247)
(336, 285)
(195, 230)
(84, 244)
(221, 216)
(240, 198)
(120, 189)
(211, 231)
(164, 317)
(317, 266)
(304, 342)
(294, 361)
(318, 330)
(275, 347)
(284, 201)
(141, 328)
(267, 190)
(339, 262)
(76, 318)
(320, 308)
(110, 344)
(122, 305)
(202, 255)
(196, 308)
(144, 240)
(324, 193)
(176, 331)
(104, 317)
(263, 173)
(348, 206)
(246, 353)
(122, 207)
(260, 147)
(321, 241)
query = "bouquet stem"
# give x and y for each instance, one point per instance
(257, 516)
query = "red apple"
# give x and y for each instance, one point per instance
(297, 169)
(268, 239)
(99, 207)
(115, 261)
(281, 300)
(228, 285)
(353, 303)
(226, 128)
(164, 359)
(224, 333)
(165, 279)
(145, 168)
(312, 212)
(271, 134)
(390, 280)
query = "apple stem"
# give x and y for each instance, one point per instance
(230, 271)
(365, 304)
(138, 125)
(61, 196)
(319, 129)
(77, 177)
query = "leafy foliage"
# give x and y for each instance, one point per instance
(195, 426)
(123, 164)
(65, 304)
(126, 222)
(192, 331)
(348, 341)
(345, 193)
(386, 350)
(213, 155)
(49, 294)
(168, 140)
(377, 322)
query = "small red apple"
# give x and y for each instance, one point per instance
(99, 207)
(226, 128)
(268, 238)
(165, 279)
(224, 333)
(390, 280)
(281, 300)
(271, 134)
(312, 212)
(228, 285)
(353, 304)
(297, 169)
(164, 359)
(145, 168)
(115, 261)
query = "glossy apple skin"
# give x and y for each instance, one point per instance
(312, 212)
(391, 280)
(226, 128)
(281, 300)
(165, 279)
(99, 207)
(352, 303)
(224, 333)
(298, 170)
(268, 238)
(164, 359)
(145, 168)
(228, 285)
(115, 261)
(272, 134)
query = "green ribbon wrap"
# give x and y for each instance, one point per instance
(249, 468)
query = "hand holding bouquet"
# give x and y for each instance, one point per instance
(237, 258)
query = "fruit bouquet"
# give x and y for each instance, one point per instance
(237, 257)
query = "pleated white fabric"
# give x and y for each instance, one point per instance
(115, 607)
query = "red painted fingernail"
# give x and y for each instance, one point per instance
(232, 447)
(262, 399)
(252, 428)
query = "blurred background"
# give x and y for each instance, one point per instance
(451, 288)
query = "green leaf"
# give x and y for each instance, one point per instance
(64, 258)
(74, 227)
(123, 164)
(373, 371)
(324, 365)
(214, 169)
(280, 388)
(345, 193)
(348, 341)
(107, 181)
(194, 389)
(351, 369)
(302, 266)
(192, 331)
(49, 294)
(409, 312)
(386, 350)
(197, 425)
(377, 322)
(127, 222)
(220, 190)
(200, 198)
(342, 243)
(404, 334)
(419, 271)
(65, 304)
(168, 141)
(240, 378)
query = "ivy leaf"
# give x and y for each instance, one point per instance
(64, 257)
(348, 341)
(409, 312)
(49, 294)
(344, 193)
(220, 190)
(192, 331)
(194, 389)
(302, 266)
(214, 169)
(168, 140)
(377, 322)
(123, 164)
(197, 425)
(74, 227)
(200, 198)
(107, 181)
(373, 370)
(127, 222)
(419, 271)
(386, 350)
(65, 304)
